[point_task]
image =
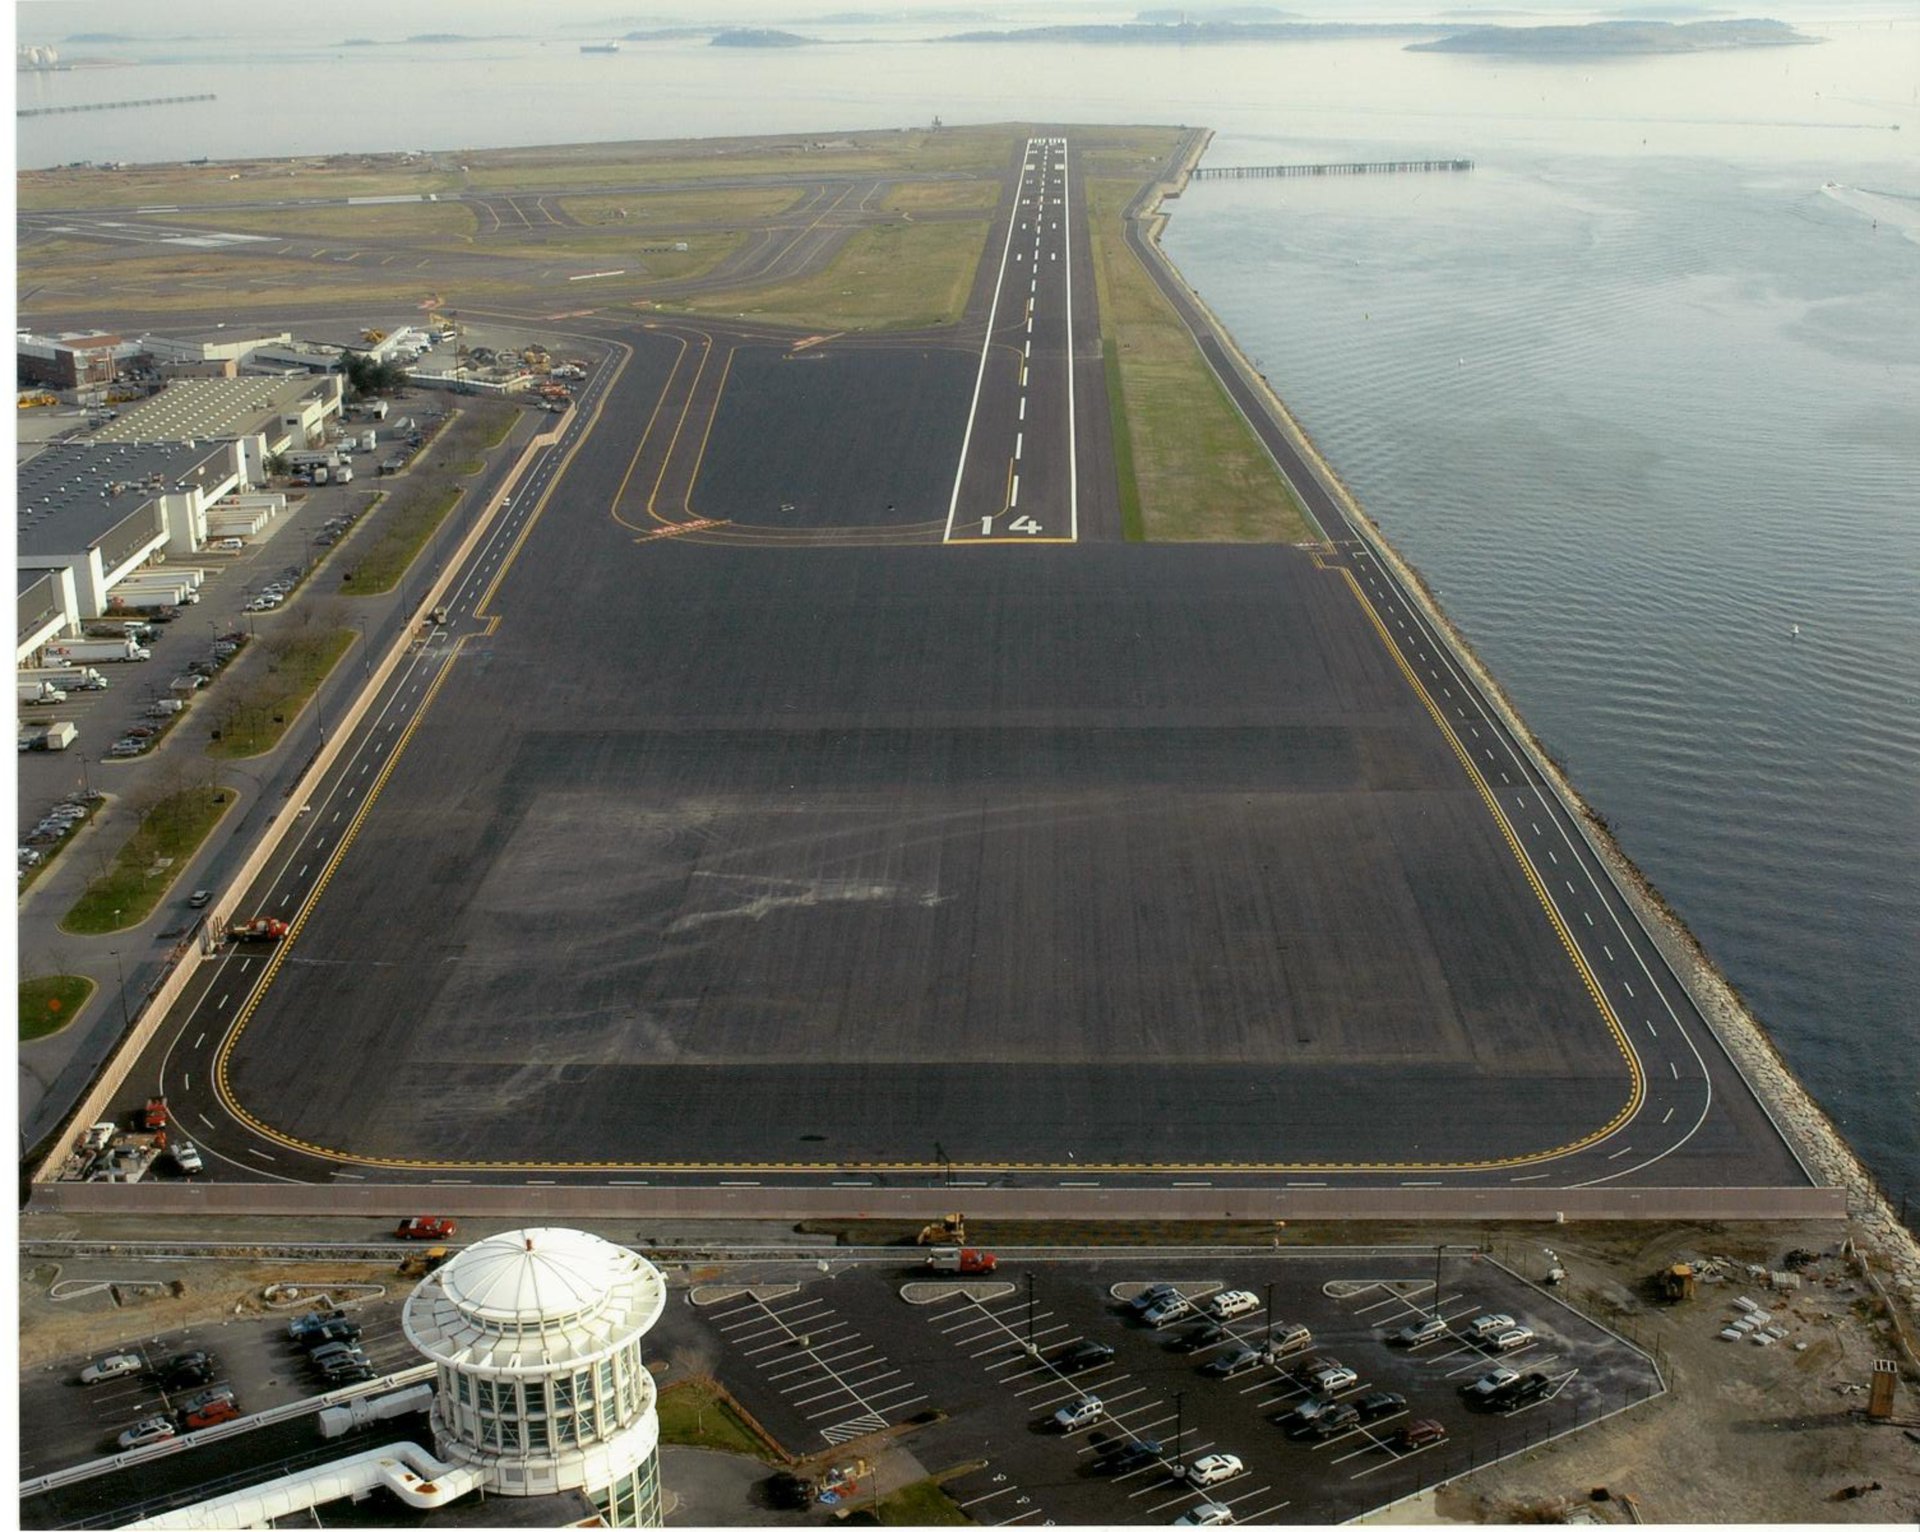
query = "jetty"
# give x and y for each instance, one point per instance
(1349, 168)
(109, 106)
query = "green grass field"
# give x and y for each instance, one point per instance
(48, 1004)
(941, 196)
(698, 1413)
(899, 276)
(415, 510)
(643, 209)
(1199, 472)
(445, 221)
(170, 833)
(282, 680)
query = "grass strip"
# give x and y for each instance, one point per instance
(697, 1412)
(170, 832)
(1130, 521)
(413, 513)
(48, 1004)
(896, 276)
(252, 720)
(924, 1504)
(1201, 473)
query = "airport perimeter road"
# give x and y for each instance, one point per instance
(1694, 1098)
(187, 1052)
(1018, 479)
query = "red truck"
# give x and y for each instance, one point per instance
(154, 1117)
(963, 1259)
(424, 1228)
(263, 929)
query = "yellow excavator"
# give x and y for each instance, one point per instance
(950, 1230)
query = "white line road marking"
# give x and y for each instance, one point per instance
(1648, 1025)
(1668, 1118)
(200, 1039)
(1627, 987)
(1608, 950)
(220, 1004)
(1019, 441)
(1618, 1152)
(1674, 1067)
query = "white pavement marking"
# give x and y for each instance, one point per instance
(986, 348)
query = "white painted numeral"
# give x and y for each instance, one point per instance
(1023, 524)
(986, 526)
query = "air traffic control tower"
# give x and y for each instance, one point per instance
(541, 1389)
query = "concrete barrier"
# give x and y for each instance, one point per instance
(1434, 1204)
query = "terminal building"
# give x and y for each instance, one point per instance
(543, 1410)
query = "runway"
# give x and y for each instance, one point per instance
(741, 823)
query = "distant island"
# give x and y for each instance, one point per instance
(1187, 13)
(880, 18)
(1190, 32)
(1617, 37)
(758, 37)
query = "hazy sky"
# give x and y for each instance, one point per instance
(51, 20)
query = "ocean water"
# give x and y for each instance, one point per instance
(1637, 424)
(1639, 394)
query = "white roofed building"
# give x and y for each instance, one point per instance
(536, 1335)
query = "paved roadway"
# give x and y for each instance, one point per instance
(716, 854)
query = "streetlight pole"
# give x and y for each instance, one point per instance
(1269, 1321)
(1438, 1251)
(126, 1020)
(1030, 1346)
(1179, 1432)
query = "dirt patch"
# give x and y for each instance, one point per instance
(126, 1301)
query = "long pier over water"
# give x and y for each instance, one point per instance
(1352, 168)
(108, 106)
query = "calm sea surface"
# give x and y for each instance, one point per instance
(1639, 395)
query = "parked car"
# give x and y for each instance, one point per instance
(1419, 1433)
(1214, 1468)
(425, 1228)
(1159, 1292)
(186, 1158)
(1080, 1414)
(333, 1332)
(186, 1370)
(305, 1324)
(1335, 1380)
(354, 1372)
(1135, 1455)
(1514, 1339)
(1333, 1420)
(1208, 1513)
(122, 1364)
(1489, 1325)
(211, 1414)
(1230, 1364)
(219, 1393)
(1199, 1339)
(156, 1428)
(1083, 1354)
(1232, 1304)
(1378, 1403)
(1166, 1311)
(1423, 1332)
(1303, 1371)
(1531, 1386)
(1489, 1385)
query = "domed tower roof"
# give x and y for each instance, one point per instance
(534, 1300)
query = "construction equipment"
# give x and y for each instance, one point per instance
(951, 1230)
(1676, 1282)
(417, 1263)
(373, 337)
(36, 401)
(264, 928)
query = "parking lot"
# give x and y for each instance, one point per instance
(64, 1422)
(816, 1362)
